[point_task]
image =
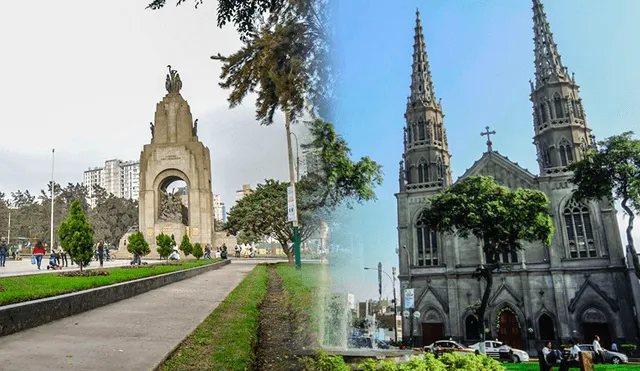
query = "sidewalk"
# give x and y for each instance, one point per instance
(133, 334)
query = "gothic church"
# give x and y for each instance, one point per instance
(577, 287)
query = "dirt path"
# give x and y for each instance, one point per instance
(276, 332)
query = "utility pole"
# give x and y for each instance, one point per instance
(52, 196)
(291, 196)
(9, 229)
(380, 280)
(395, 304)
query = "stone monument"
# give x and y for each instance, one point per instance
(175, 153)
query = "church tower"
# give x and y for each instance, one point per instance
(560, 125)
(425, 165)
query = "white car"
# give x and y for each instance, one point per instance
(493, 349)
(448, 346)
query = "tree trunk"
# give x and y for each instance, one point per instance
(632, 249)
(487, 273)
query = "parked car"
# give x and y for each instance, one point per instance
(447, 346)
(494, 348)
(609, 356)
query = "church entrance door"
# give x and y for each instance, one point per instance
(432, 332)
(510, 333)
(590, 330)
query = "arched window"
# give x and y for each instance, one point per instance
(427, 244)
(566, 152)
(421, 133)
(472, 329)
(579, 230)
(504, 257)
(546, 156)
(439, 168)
(423, 171)
(545, 327)
(557, 103)
(439, 131)
(409, 139)
(543, 113)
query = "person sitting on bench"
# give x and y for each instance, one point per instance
(574, 358)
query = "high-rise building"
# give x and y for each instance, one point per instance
(310, 162)
(120, 178)
(575, 288)
(218, 209)
(246, 190)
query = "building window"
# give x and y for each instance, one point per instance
(439, 168)
(427, 244)
(543, 113)
(545, 327)
(566, 153)
(557, 102)
(579, 230)
(504, 257)
(546, 156)
(423, 171)
(409, 134)
(472, 327)
(421, 132)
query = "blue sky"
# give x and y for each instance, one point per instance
(481, 56)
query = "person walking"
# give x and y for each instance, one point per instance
(100, 252)
(63, 256)
(237, 248)
(38, 252)
(4, 251)
(597, 349)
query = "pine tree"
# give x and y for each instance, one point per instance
(138, 246)
(185, 245)
(197, 251)
(76, 236)
(165, 245)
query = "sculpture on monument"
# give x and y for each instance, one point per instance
(195, 128)
(173, 83)
(151, 128)
(172, 209)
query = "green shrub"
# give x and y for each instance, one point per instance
(185, 245)
(76, 236)
(448, 362)
(324, 362)
(197, 251)
(165, 245)
(137, 245)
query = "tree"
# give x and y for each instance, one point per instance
(264, 214)
(138, 246)
(498, 217)
(197, 251)
(165, 245)
(185, 245)
(76, 236)
(612, 171)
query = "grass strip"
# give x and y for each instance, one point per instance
(225, 340)
(303, 287)
(533, 366)
(23, 288)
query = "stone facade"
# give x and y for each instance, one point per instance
(577, 287)
(175, 153)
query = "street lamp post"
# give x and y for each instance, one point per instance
(52, 196)
(395, 301)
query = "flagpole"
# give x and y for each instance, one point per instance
(51, 241)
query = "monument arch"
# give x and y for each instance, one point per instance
(175, 154)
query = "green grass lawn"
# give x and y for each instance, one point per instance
(24, 288)
(226, 338)
(535, 367)
(303, 287)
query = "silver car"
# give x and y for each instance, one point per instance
(609, 356)
(493, 349)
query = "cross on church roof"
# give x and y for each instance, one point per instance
(488, 134)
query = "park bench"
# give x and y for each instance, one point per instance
(584, 358)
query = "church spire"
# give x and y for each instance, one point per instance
(547, 59)
(421, 82)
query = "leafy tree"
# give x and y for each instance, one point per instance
(138, 246)
(165, 245)
(264, 214)
(197, 251)
(76, 236)
(339, 178)
(612, 171)
(185, 245)
(498, 217)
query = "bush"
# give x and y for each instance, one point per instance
(76, 236)
(165, 245)
(448, 362)
(185, 245)
(197, 251)
(324, 362)
(138, 246)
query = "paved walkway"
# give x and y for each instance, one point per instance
(132, 334)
